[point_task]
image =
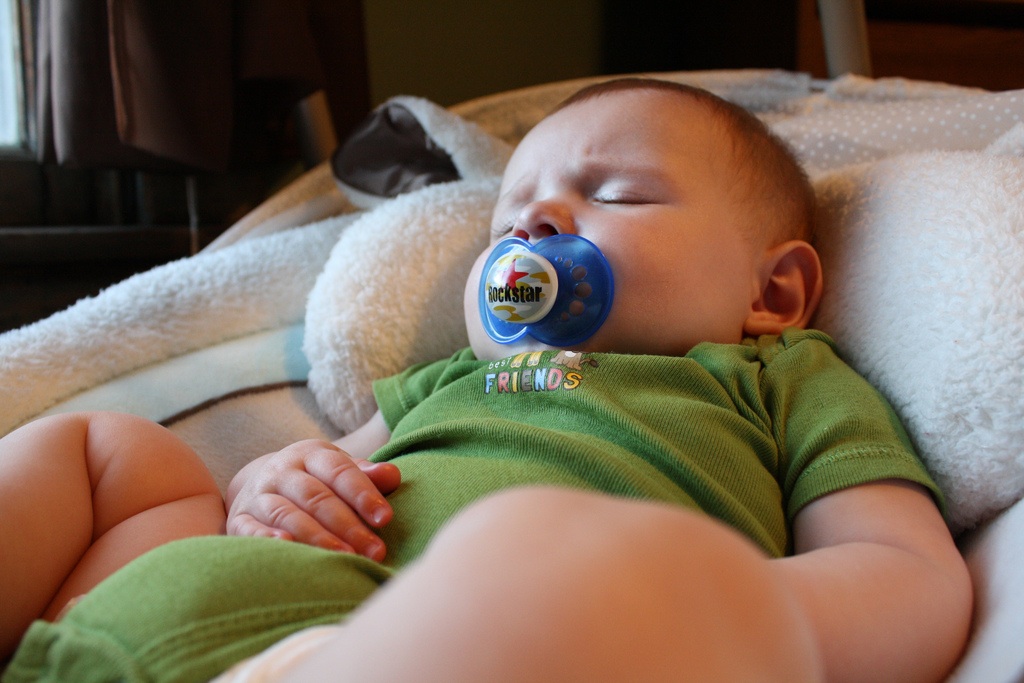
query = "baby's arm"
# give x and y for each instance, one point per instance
(882, 583)
(318, 493)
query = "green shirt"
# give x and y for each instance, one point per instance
(749, 433)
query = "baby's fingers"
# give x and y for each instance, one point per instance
(358, 488)
(315, 515)
(384, 475)
(275, 516)
(244, 524)
(278, 517)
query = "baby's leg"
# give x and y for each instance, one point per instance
(556, 585)
(83, 494)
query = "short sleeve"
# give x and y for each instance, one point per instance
(834, 429)
(397, 395)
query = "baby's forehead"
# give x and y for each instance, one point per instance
(625, 123)
(658, 113)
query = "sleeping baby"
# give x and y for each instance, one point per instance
(644, 464)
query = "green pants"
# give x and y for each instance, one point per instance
(190, 609)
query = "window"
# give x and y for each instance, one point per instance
(12, 91)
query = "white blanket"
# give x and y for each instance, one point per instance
(160, 314)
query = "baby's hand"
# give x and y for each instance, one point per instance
(314, 493)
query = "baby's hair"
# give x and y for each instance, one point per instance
(776, 186)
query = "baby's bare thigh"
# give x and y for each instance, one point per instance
(82, 494)
(121, 463)
(136, 464)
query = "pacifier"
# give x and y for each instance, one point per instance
(558, 291)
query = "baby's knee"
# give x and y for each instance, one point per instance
(617, 581)
(133, 458)
(139, 440)
(598, 545)
(519, 515)
(566, 529)
(92, 433)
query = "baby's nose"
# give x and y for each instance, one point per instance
(541, 219)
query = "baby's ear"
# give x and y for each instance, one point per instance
(790, 281)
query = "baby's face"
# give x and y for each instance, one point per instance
(647, 176)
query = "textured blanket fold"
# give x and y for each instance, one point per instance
(162, 313)
(924, 255)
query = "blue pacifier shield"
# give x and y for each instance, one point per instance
(558, 291)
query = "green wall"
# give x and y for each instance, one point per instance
(453, 50)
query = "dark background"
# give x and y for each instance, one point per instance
(66, 233)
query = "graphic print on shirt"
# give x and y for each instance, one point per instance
(528, 372)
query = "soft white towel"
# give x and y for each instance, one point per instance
(924, 262)
(178, 307)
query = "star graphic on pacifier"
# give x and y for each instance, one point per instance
(512, 275)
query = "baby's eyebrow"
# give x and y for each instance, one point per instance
(649, 177)
(628, 168)
(591, 172)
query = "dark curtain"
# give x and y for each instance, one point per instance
(189, 84)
